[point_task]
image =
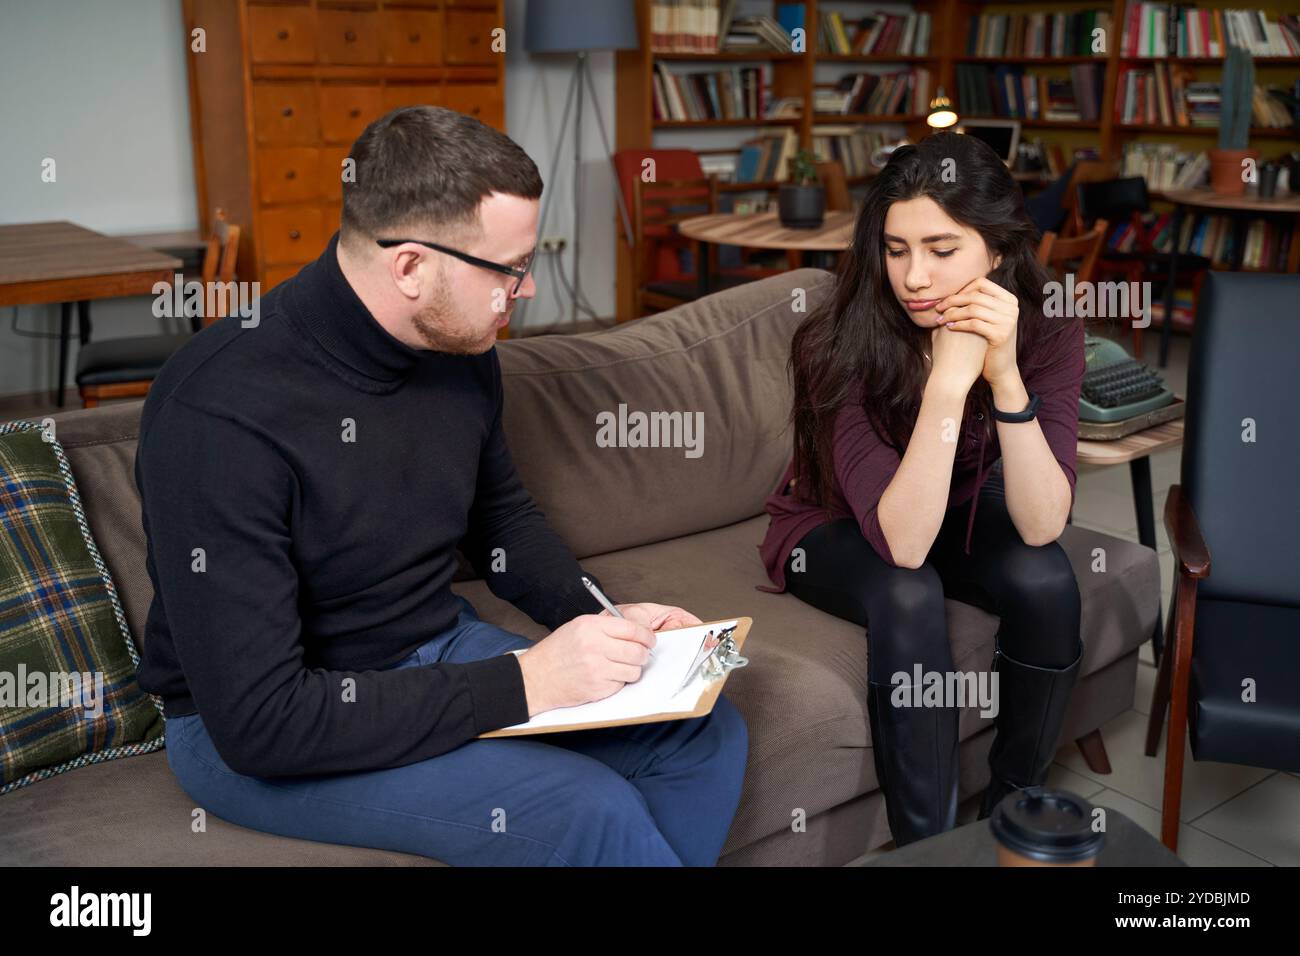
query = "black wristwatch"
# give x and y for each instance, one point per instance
(1026, 416)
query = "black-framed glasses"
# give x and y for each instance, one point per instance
(519, 274)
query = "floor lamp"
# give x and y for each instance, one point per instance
(581, 27)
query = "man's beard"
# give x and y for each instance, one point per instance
(441, 330)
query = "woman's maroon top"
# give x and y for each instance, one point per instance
(864, 464)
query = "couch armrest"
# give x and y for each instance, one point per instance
(1185, 539)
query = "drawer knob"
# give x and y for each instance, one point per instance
(295, 234)
(287, 111)
(415, 37)
(354, 112)
(291, 175)
(350, 36)
(282, 35)
(473, 40)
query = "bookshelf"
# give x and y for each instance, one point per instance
(798, 77)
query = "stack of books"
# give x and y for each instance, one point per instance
(757, 34)
(1167, 29)
(1037, 34)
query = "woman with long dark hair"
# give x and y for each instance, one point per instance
(935, 420)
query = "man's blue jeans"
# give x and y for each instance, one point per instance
(660, 794)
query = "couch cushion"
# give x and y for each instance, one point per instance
(721, 359)
(134, 813)
(803, 694)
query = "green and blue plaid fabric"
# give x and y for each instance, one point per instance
(68, 689)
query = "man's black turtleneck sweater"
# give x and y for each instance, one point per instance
(304, 486)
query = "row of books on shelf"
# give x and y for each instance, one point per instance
(1169, 29)
(1011, 92)
(1165, 165)
(876, 34)
(736, 93)
(766, 158)
(1265, 245)
(896, 93)
(1167, 94)
(685, 26)
(852, 147)
(1037, 34)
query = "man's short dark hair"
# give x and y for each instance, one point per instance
(422, 171)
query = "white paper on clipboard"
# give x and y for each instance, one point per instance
(654, 693)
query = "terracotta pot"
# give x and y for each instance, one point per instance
(1226, 170)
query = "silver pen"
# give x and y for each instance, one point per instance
(596, 593)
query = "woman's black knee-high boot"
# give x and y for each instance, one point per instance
(1031, 708)
(915, 752)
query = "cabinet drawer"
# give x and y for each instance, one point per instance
(285, 114)
(288, 174)
(482, 101)
(411, 94)
(346, 110)
(412, 37)
(279, 34)
(331, 172)
(467, 36)
(347, 36)
(292, 234)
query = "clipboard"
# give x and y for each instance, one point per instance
(712, 670)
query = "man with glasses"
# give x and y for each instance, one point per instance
(305, 485)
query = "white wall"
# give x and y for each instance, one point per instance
(101, 88)
(536, 87)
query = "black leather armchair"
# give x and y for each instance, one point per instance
(1230, 673)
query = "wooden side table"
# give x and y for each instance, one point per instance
(1136, 450)
(763, 230)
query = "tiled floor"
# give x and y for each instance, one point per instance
(1231, 815)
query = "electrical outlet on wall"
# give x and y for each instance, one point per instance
(553, 244)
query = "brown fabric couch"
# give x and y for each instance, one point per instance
(654, 525)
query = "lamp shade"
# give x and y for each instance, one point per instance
(570, 26)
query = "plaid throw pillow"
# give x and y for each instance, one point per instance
(68, 690)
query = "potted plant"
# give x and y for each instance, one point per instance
(1235, 91)
(802, 202)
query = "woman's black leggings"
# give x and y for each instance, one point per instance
(1032, 589)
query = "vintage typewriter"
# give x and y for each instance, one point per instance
(1117, 386)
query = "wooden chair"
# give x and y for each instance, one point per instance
(1054, 251)
(126, 367)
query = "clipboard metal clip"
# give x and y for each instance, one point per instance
(725, 657)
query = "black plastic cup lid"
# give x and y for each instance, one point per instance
(1052, 826)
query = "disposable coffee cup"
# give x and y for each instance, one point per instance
(1040, 827)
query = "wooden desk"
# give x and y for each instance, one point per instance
(1240, 209)
(42, 262)
(1134, 450)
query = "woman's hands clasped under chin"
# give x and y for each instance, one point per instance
(985, 309)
